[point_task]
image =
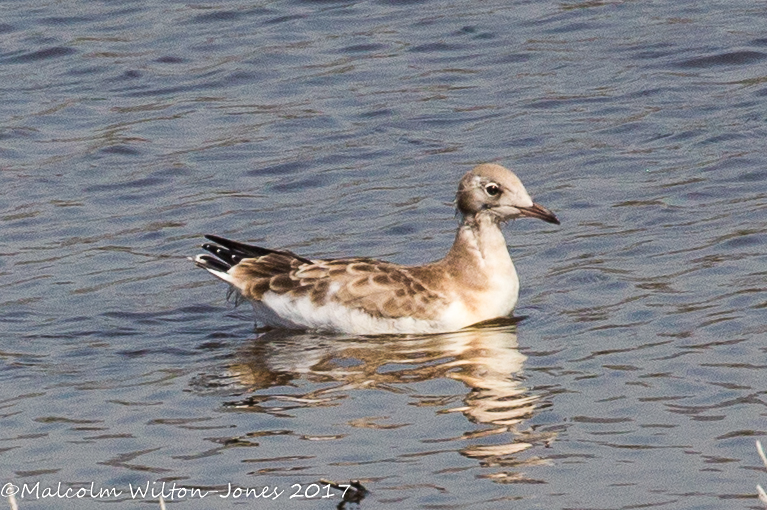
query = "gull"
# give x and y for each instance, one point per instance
(475, 282)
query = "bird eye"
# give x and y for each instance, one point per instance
(493, 189)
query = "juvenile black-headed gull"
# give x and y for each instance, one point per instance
(475, 282)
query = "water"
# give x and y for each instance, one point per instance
(634, 377)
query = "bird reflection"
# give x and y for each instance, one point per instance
(485, 359)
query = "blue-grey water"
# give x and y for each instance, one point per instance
(635, 377)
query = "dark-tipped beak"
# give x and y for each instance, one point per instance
(540, 212)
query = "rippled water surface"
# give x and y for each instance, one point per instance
(635, 375)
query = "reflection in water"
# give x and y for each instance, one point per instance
(485, 360)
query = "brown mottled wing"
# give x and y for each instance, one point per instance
(379, 288)
(269, 272)
(382, 289)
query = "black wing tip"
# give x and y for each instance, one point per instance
(209, 262)
(244, 251)
(217, 239)
(238, 248)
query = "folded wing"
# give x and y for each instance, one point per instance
(381, 289)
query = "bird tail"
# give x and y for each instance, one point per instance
(214, 266)
(223, 259)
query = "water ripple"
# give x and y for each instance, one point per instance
(335, 128)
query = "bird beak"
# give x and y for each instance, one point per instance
(540, 212)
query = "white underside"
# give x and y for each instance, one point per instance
(282, 311)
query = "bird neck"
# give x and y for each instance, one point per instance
(480, 249)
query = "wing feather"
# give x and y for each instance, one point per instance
(381, 289)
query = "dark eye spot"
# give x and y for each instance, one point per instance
(493, 189)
